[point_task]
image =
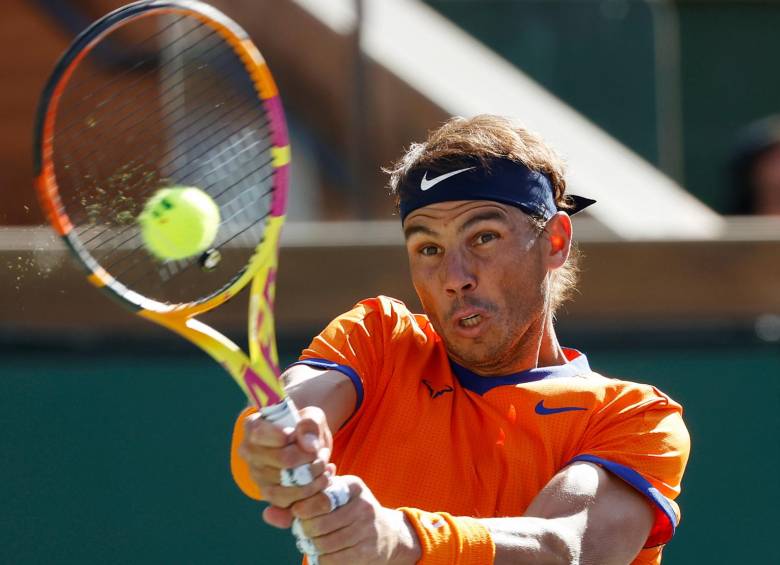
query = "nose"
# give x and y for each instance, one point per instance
(457, 274)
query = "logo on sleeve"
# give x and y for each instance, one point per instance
(543, 410)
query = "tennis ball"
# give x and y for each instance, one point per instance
(179, 222)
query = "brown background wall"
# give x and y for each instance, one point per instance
(23, 30)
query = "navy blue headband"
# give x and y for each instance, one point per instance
(504, 181)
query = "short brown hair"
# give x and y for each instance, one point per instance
(486, 137)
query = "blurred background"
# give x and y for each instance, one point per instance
(115, 435)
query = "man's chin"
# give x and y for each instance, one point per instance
(472, 355)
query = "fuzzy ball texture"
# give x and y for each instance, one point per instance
(179, 222)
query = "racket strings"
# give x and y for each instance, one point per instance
(239, 205)
(187, 115)
(171, 268)
(129, 124)
(145, 190)
(132, 102)
(248, 203)
(113, 235)
(247, 198)
(98, 71)
(171, 154)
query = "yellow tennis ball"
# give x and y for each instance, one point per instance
(179, 222)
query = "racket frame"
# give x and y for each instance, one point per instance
(256, 374)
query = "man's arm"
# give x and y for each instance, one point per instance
(331, 391)
(584, 515)
(326, 399)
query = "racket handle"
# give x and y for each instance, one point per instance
(285, 415)
(338, 494)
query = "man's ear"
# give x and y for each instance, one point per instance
(558, 233)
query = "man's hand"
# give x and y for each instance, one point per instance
(268, 450)
(362, 532)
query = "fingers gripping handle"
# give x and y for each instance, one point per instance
(285, 415)
(338, 494)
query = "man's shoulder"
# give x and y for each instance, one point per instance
(391, 313)
(600, 390)
(384, 305)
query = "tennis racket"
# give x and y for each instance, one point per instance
(173, 93)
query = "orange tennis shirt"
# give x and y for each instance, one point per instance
(430, 434)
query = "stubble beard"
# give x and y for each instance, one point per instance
(512, 336)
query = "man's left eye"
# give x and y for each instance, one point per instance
(486, 237)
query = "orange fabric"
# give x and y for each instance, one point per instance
(238, 466)
(446, 539)
(420, 439)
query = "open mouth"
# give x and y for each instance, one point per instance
(470, 321)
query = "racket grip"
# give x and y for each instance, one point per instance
(338, 494)
(285, 415)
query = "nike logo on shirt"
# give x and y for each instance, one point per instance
(545, 411)
(427, 183)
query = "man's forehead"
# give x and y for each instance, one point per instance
(457, 213)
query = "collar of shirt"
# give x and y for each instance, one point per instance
(576, 365)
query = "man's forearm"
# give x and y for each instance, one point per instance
(331, 391)
(517, 541)
(408, 549)
(532, 541)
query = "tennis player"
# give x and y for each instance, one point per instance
(469, 434)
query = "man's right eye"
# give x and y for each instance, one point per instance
(429, 250)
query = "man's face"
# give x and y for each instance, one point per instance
(480, 269)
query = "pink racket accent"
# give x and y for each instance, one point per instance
(278, 130)
(267, 339)
(279, 200)
(280, 138)
(253, 383)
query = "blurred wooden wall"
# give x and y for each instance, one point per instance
(313, 66)
(30, 43)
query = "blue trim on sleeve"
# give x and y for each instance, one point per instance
(637, 481)
(343, 369)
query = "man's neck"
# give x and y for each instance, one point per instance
(550, 350)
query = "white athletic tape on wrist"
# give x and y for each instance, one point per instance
(337, 493)
(297, 477)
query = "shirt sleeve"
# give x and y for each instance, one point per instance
(355, 344)
(638, 434)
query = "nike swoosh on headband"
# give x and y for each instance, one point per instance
(427, 183)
